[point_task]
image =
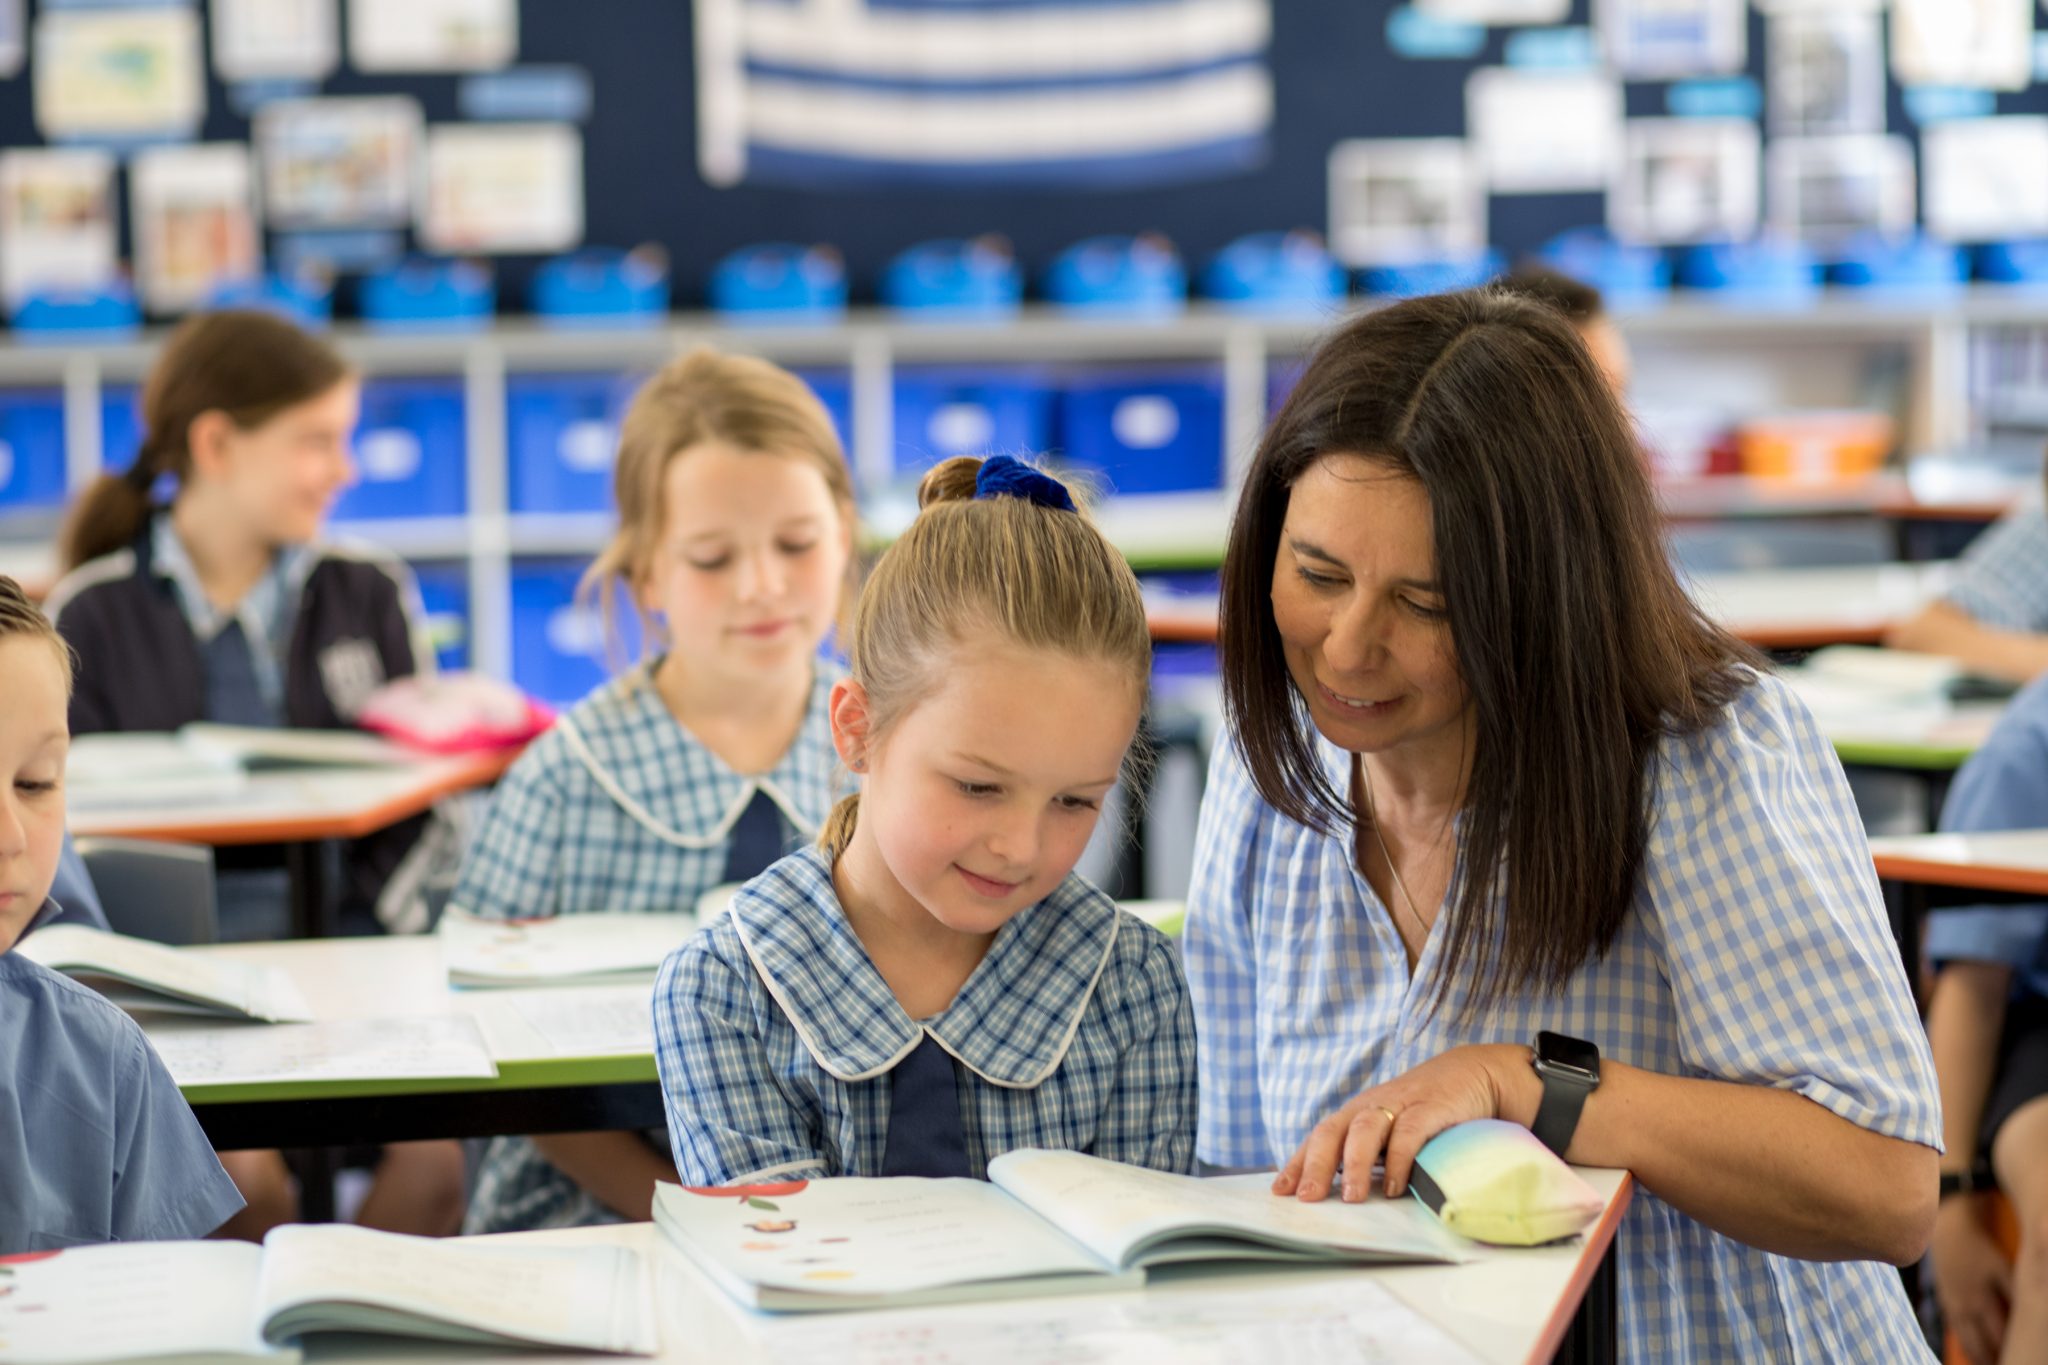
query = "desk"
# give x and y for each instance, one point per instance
(301, 808)
(1928, 872)
(1507, 1307)
(536, 1089)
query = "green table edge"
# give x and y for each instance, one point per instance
(1871, 753)
(542, 1074)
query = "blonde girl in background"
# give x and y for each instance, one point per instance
(705, 763)
(931, 985)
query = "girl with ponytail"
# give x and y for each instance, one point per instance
(931, 985)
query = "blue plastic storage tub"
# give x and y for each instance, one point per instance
(67, 314)
(559, 652)
(1119, 277)
(1153, 431)
(976, 280)
(780, 282)
(444, 590)
(1625, 275)
(1916, 265)
(562, 437)
(1760, 274)
(1431, 277)
(1275, 272)
(409, 452)
(306, 300)
(602, 289)
(423, 295)
(120, 427)
(2018, 262)
(943, 412)
(31, 448)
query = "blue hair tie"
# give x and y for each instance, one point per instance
(1003, 476)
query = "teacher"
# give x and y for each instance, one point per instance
(1490, 776)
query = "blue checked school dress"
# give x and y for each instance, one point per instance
(784, 1055)
(620, 808)
(1757, 952)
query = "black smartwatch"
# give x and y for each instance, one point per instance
(1570, 1068)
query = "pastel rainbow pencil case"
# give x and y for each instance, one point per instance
(1492, 1181)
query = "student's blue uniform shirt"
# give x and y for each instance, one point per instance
(620, 808)
(776, 1036)
(1757, 952)
(72, 895)
(2003, 786)
(96, 1143)
(2002, 580)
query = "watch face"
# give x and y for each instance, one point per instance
(1556, 1049)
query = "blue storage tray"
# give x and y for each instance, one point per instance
(558, 646)
(1431, 277)
(943, 412)
(1752, 274)
(562, 439)
(444, 590)
(306, 300)
(65, 315)
(1275, 272)
(780, 282)
(31, 448)
(1625, 275)
(975, 280)
(120, 427)
(409, 452)
(1120, 277)
(602, 289)
(2016, 263)
(430, 296)
(1146, 432)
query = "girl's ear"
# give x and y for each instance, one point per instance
(208, 438)
(849, 714)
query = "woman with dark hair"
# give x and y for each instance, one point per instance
(1493, 776)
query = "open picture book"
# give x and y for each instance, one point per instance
(1043, 1223)
(566, 950)
(135, 974)
(173, 1302)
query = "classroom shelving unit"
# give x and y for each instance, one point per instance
(1912, 355)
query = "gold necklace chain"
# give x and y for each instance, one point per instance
(1372, 810)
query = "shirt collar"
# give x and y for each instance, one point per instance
(262, 612)
(663, 776)
(1011, 1023)
(51, 910)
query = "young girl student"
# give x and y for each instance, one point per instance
(96, 1142)
(702, 765)
(931, 985)
(224, 604)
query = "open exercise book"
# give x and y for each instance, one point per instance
(567, 950)
(1043, 1223)
(137, 974)
(166, 1302)
(207, 762)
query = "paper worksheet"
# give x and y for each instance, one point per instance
(511, 187)
(1988, 43)
(1394, 201)
(1245, 1320)
(57, 225)
(257, 40)
(607, 1021)
(331, 1050)
(1540, 131)
(1986, 178)
(432, 35)
(562, 950)
(118, 73)
(194, 221)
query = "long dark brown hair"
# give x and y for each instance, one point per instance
(249, 365)
(1576, 643)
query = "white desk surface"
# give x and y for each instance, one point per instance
(1501, 1307)
(2006, 860)
(291, 805)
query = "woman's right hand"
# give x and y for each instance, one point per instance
(1972, 1280)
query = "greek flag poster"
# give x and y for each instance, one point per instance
(1050, 93)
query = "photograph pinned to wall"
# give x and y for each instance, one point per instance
(1772, 7)
(275, 40)
(1825, 72)
(57, 225)
(433, 35)
(1498, 11)
(1656, 40)
(1066, 96)
(339, 163)
(506, 187)
(1542, 131)
(193, 213)
(1399, 201)
(1687, 180)
(1985, 179)
(118, 74)
(13, 36)
(1825, 190)
(1987, 43)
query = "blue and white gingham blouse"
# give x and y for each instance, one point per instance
(1758, 952)
(2003, 577)
(775, 1036)
(619, 808)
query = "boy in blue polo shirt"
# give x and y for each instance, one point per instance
(96, 1144)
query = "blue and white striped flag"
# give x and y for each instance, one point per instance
(1048, 92)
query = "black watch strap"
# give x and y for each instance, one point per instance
(1564, 1096)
